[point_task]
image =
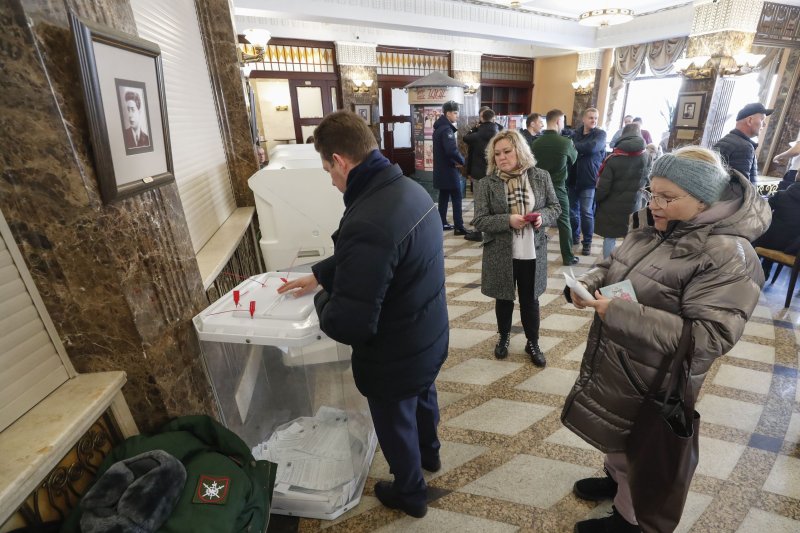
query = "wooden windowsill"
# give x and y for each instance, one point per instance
(216, 253)
(34, 444)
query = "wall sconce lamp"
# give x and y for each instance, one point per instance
(362, 86)
(583, 86)
(281, 108)
(471, 88)
(258, 39)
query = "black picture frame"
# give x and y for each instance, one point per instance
(688, 110)
(364, 111)
(123, 87)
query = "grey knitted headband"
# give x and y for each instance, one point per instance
(704, 181)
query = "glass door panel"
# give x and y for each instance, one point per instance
(309, 102)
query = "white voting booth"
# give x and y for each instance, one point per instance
(298, 207)
(287, 390)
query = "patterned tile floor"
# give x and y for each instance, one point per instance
(509, 464)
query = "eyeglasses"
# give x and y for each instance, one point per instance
(660, 201)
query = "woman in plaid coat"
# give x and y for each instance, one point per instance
(514, 240)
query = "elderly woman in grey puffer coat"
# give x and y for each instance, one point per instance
(515, 247)
(688, 257)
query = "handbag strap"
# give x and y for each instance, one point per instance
(676, 361)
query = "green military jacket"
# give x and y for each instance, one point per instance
(212, 455)
(554, 154)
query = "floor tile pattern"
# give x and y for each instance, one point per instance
(509, 464)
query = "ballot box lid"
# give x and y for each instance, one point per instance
(261, 316)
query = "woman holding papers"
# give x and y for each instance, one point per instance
(687, 257)
(513, 203)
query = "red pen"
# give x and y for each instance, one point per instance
(286, 279)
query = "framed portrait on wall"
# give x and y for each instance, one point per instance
(123, 88)
(687, 113)
(364, 111)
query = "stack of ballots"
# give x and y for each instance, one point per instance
(321, 462)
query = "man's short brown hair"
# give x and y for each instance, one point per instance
(346, 134)
(589, 110)
(487, 115)
(553, 115)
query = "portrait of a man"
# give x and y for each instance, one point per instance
(133, 113)
(688, 110)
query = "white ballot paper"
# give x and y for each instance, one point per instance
(577, 286)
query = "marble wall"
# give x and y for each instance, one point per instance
(120, 281)
(219, 43)
(783, 126)
(348, 73)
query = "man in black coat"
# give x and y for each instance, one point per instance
(477, 140)
(384, 295)
(590, 142)
(446, 163)
(737, 148)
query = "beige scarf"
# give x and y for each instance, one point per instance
(517, 192)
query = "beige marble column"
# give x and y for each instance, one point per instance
(589, 74)
(219, 43)
(358, 61)
(466, 68)
(720, 30)
(120, 281)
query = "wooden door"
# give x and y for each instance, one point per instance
(311, 101)
(395, 124)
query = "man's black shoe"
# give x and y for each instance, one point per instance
(433, 465)
(476, 236)
(501, 350)
(614, 523)
(384, 491)
(447, 227)
(595, 489)
(459, 231)
(587, 249)
(573, 261)
(537, 356)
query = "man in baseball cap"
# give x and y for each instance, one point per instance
(737, 148)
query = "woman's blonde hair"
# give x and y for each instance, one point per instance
(524, 156)
(699, 153)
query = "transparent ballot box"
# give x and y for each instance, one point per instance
(287, 390)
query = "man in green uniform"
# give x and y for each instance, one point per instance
(555, 153)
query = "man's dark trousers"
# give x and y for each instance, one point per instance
(406, 431)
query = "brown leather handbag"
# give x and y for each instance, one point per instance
(662, 449)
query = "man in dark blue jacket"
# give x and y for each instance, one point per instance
(446, 162)
(477, 140)
(737, 148)
(384, 295)
(590, 142)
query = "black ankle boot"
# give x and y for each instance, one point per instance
(537, 356)
(501, 350)
(614, 523)
(595, 489)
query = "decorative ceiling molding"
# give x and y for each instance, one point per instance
(431, 16)
(726, 15)
(591, 60)
(361, 54)
(282, 27)
(466, 61)
(474, 25)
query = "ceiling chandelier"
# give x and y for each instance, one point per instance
(605, 17)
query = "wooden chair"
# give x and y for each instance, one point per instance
(781, 258)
